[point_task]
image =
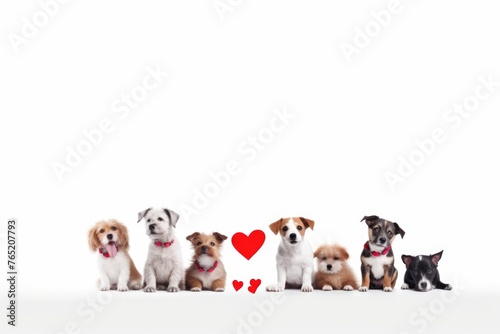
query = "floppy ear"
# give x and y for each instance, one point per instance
(172, 216)
(316, 253)
(399, 230)
(275, 227)
(192, 236)
(94, 241)
(436, 257)
(343, 253)
(307, 222)
(142, 214)
(370, 220)
(122, 235)
(407, 260)
(220, 237)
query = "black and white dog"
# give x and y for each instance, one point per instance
(422, 274)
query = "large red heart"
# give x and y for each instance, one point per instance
(254, 284)
(237, 285)
(248, 246)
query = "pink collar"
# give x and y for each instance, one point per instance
(384, 252)
(106, 254)
(201, 269)
(164, 244)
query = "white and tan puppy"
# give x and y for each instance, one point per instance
(163, 269)
(294, 261)
(116, 268)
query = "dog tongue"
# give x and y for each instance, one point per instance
(111, 249)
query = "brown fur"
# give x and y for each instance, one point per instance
(216, 280)
(304, 223)
(331, 254)
(97, 235)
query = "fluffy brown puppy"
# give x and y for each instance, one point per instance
(333, 271)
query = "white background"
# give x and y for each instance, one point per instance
(352, 121)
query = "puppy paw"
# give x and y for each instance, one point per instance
(173, 289)
(219, 290)
(275, 288)
(327, 288)
(363, 288)
(136, 286)
(448, 287)
(306, 288)
(387, 289)
(348, 288)
(150, 289)
(405, 286)
(104, 287)
(122, 288)
(195, 289)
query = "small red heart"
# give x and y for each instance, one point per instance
(237, 285)
(248, 246)
(254, 284)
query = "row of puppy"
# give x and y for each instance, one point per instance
(164, 269)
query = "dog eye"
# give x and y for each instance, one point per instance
(198, 243)
(285, 228)
(299, 228)
(160, 219)
(375, 229)
(389, 233)
(101, 230)
(113, 228)
(324, 258)
(429, 271)
(212, 244)
(335, 258)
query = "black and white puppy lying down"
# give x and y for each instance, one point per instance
(422, 273)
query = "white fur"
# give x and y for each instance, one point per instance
(348, 288)
(336, 266)
(294, 262)
(429, 284)
(377, 264)
(405, 286)
(164, 264)
(113, 271)
(207, 262)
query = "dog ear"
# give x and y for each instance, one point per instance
(94, 241)
(142, 214)
(399, 230)
(407, 260)
(343, 253)
(370, 220)
(436, 257)
(316, 253)
(275, 227)
(192, 236)
(172, 216)
(307, 222)
(122, 235)
(220, 237)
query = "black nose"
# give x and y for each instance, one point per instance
(109, 236)
(382, 240)
(204, 249)
(152, 227)
(329, 267)
(423, 285)
(293, 236)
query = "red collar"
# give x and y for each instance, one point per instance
(164, 244)
(384, 252)
(201, 269)
(106, 254)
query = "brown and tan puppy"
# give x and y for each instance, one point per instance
(333, 271)
(116, 268)
(207, 270)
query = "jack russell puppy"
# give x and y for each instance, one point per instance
(295, 258)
